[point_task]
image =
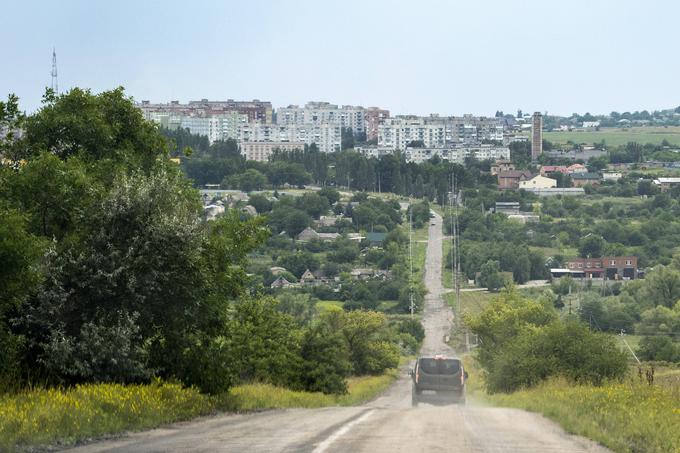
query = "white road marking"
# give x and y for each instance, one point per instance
(323, 446)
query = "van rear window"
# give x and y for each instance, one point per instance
(442, 366)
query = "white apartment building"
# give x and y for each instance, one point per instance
(397, 133)
(457, 154)
(438, 132)
(260, 151)
(327, 137)
(324, 113)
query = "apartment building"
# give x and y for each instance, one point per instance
(260, 151)
(438, 132)
(347, 116)
(327, 137)
(457, 154)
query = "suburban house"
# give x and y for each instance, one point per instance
(665, 184)
(548, 169)
(501, 166)
(509, 180)
(328, 221)
(538, 182)
(609, 267)
(576, 168)
(309, 234)
(280, 282)
(376, 239)
(308, 279)
(583, 179)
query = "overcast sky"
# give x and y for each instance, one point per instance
(447, 57)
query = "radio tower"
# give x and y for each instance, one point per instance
(55, 83)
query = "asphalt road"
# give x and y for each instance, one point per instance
(387, 424)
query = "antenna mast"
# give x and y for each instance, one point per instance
(55, 83)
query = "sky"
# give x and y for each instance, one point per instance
(411, 57)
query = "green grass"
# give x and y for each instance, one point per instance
(626, 417)
(552, 251)
(65, 416)
(472, 302)
(42, 416)
(265, 396)
(324, 305)
(618, 136)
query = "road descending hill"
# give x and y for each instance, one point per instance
(387, 424)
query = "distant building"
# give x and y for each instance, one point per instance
(280, 282)
(538, 182)
(327, 137)
(611, 175)
(501, 165)
(554, 191)
(584, 179)
(509, 180)
(536, 136)
(309, 234)
(548, 169)
(507, 207)
(665, 184)
(260, 151)
(376, 239)
(610, 267)
(577, 168)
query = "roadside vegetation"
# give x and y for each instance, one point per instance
(122, 306)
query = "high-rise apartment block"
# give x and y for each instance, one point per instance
(327, 137)
(536, 135)
(438, 132)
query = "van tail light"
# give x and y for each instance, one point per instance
(462, 377)
(417, 376)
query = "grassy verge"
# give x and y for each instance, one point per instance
(265, 396)
(628, 417)
(42, 416)
(65, 416)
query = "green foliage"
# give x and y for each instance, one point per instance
(420, 213)
(490, 276)
(591, 246)
(105, 126)
(523, 343)
(325, 361)
(659, 348)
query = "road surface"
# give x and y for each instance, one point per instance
(387, 424)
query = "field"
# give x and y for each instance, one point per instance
(471, 301)
(618, 136)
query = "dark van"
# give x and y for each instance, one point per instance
(438, 379)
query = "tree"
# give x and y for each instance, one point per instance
(592, 246)
(225, 149)
(662, 286)
(347, 140)
(314, 204)
(261, 203)
(251, 179)
(325, 360)
(290, 220)
(95, 127)
(490, 276)
(332, 195)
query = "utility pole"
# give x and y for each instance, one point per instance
(55, 82)
(628, 346)
(412, 305)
